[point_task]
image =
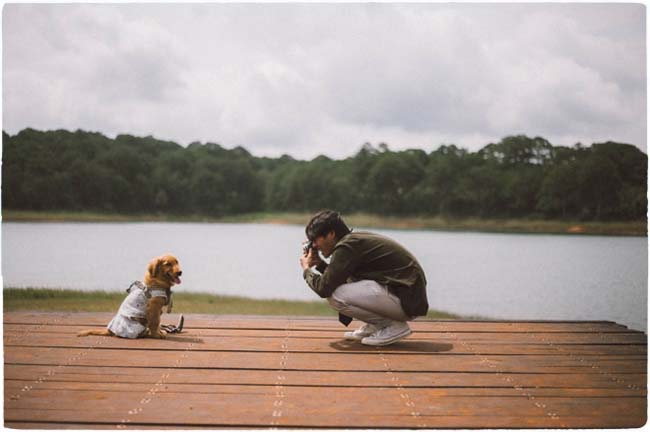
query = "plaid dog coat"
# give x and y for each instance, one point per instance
(131, 318)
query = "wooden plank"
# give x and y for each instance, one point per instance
(412, 345)
(89, 426)
(344, 407)
(321, 361)
(449, 402)
(93, 374)
(428, 402)
(426, 422)
(196, 321)
(14, 333)
(15, 386)
(21, 331)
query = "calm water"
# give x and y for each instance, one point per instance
(490, 275)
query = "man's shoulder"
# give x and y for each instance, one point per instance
(360, 235)
(356, 238)
(355, 244)
(366, 240)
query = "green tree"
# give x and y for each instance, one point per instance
(391, 179)
(518, 176)
(558, 194)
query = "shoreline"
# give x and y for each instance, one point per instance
(513, 226)
(68, 300)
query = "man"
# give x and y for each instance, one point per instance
(369, 277)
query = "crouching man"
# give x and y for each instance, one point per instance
(369, 277)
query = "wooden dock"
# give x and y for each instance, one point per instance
(284, 372)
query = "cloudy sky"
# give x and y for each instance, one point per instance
(310, 79)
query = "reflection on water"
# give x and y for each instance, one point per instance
(503, 276)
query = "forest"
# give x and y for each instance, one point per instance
(518, 177)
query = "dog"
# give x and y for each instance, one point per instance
(139, 314)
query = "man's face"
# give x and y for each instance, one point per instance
(325, 243)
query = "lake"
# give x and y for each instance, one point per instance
(500, 276)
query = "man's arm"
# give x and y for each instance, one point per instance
(342, 263)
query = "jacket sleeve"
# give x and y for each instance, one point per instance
(340, 268)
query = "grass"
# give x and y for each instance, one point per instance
(537, 226)
(63, 300)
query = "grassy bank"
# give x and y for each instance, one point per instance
(40, 299)
(633, 228)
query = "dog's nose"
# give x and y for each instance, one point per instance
(180, 273)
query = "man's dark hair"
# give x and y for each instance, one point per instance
(324, 222)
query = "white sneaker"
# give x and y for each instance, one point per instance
(361, 332)
(388, 335)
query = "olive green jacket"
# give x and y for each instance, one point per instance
(364, 255)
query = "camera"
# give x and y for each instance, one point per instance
(306, 247)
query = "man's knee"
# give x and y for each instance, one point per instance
(336, 302)
(349, 294)
(342, 296)
(368, 298)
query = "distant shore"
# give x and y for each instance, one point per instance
(66, 300)
(617, 228)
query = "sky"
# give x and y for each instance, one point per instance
(310, 79)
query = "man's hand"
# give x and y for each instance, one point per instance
(311, 259)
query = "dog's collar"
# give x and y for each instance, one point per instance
(156, 287)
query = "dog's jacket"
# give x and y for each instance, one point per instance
(131, 319)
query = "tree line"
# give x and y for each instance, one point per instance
(518, 177)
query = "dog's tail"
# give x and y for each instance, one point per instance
(102, 332)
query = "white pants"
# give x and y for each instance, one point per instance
(369, 302)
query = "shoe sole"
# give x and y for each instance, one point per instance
(354, 338)
(394, 339)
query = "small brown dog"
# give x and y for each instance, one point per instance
(139, 313)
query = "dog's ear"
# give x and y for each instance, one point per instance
(154, 267)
